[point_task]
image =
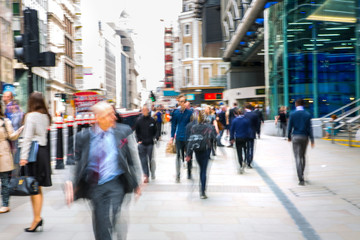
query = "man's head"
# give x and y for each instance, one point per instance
(145, 111)
(299, 102)
(7, 97)
(104, 115)
(187, 105)
(235, 104)
(249, 106)
(181, 101)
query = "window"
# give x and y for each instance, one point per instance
(187, 76)
(68, 48)
(16, 9)
(126, 48)
(69, 74)
(187, 29)
(187, 51)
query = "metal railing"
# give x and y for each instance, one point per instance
(346, 121)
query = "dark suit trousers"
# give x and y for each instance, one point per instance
(241, 150)
(106, 202)
(250, 150)
(299, 147)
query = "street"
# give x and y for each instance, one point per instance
(263, 203)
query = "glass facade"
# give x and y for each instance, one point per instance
(312, 50)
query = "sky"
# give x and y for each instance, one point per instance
(145, 16)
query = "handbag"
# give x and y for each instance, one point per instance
(23, 185)
(32, 153)
(170, 148)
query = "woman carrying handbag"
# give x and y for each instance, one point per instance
(36, 123)
(7, 134)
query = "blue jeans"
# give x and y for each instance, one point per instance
(203, 159)
(146, 158)
(5, 181)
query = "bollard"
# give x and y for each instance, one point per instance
(86, 122)
(48, 145)
(70, 146)
(92, 119)
(59, 144)
(78, 123)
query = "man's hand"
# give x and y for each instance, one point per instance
(232, 141)
(137, 192)
(187, 158)
(289, 139)
(312, 145)
(23, 162)
(69, 192)
(171, 140)
(139, 142)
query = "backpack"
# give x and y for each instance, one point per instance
(199, 138)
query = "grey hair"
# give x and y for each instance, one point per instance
(100, 107)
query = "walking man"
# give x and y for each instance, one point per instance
(107, 168)
(180, 118)
(254, 119)
(299, 132)
(146, 131)
(240, 131)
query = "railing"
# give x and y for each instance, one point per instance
(346, 122)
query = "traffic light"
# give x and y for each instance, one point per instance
(152, 96)
(63, 97)
(27, 44)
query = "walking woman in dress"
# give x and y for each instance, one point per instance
(6, 159)
(36, 124)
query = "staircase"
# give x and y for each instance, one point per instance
(344, 129)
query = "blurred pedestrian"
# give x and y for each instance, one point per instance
(146, 132)
(107, 168)
(7, 134)
(299, 133)
(158, 117)
(201, 134)
(258, 111)
(254, 119)
(36, 123)
(180, 118)
(240, 132)
(8, 98)
(282, 118)
(230, 117)
(222, 121)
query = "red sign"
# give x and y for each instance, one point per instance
(85, 100)
(212, 96)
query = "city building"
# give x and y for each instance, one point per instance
(6, 46)
(312, 52)
(61, 17)
(200, 35)
(243, 47)
(79, 78)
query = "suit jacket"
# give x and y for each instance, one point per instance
(128, 159)
(254, 119)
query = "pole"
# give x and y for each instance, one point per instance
(285, 57)
(59, 145)
(30, 80)
(357, 35)
(70, 147)
(315, 72)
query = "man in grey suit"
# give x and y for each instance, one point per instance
(299, 132)
(108, 167)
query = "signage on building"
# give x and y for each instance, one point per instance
(85, 100)
(213, 96)
(190, 97)
(260, 91)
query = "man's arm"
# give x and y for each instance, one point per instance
(173, 124)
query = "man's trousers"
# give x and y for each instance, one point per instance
(299, 147)
(146, 158)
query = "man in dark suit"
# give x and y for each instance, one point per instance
(260, 119)
(254, 119)
(108, 167)
(299, 132)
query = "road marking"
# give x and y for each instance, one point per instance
(304, 226)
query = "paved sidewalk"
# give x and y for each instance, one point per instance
(264, 203)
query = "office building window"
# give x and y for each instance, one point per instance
(187, 51)
(187, 29)
(69, 74)
(187, 76)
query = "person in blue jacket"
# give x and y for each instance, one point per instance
(180, 118)
(299, 133)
